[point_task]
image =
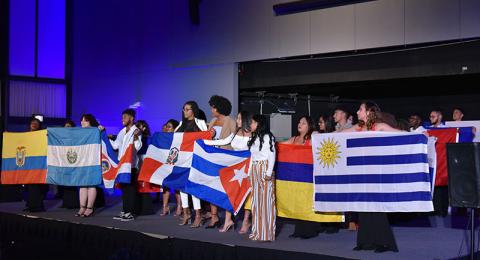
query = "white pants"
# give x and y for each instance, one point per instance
(195, 200)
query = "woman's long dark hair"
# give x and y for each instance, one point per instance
(329, 128)
(372, 110)
(91, 119)
(246, 121)
(260, 132)
(147, 131)
(311, 128)
(196, 113)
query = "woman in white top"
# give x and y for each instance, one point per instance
(238, 141)
(190, 123)
(262, 147)
(222, 125)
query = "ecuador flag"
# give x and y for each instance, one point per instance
(24, 157)
(294, 185)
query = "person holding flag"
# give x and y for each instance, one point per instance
(169, 127)
(191, 123)
(88, 195)
(374, 232)
(130, 133)
(264, 211)
(223, 126)
(238, 141)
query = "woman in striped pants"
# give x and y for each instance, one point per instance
(264, 212)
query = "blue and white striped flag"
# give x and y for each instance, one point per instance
(371, 172)
(73, 157)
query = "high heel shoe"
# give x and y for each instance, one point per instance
(88, 215)
(80, 212)
(198, 222)
(245, 230)
(165, 211)
(186, 220)
(227, 228)
(217, 223)
(178, 212)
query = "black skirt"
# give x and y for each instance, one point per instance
(374, 232)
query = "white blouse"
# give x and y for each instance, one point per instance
(237, 142)
(265, 154)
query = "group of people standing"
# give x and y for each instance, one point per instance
(245, 132)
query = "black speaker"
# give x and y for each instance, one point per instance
(463, 161)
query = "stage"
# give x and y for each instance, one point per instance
(57, 233)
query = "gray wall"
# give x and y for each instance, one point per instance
(148, 50)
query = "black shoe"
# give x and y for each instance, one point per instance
(382, 249)
(128, 217)
(364, 247)
(215, 225)
(331, 230)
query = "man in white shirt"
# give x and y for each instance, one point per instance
(130, 133)
(436, 118)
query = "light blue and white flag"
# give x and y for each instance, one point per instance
(73, 157)
(371, 172)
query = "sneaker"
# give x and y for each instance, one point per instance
(120, 216)
(127, 217)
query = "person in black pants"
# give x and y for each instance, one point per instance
(35, 192)
(129, 134)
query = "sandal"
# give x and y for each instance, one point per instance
(80, 212)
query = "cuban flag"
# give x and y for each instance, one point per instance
(73, 156)
(169, 158)
(114, 170)
(219, 176)
(371, 172)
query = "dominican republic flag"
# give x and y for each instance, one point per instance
(114, 170)
(73, 157)
(169, 158)
(371, 172)
(219, 176)
(24, 158)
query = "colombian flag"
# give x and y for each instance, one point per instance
(294, 185)
(24, 157)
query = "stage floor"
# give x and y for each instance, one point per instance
(427, 238)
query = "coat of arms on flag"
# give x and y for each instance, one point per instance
(114, 170)
(371, 172)
(169, 157)
(219, 176)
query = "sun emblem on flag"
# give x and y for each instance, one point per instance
(328, 152)
(173, 155)
(20, 156)
(72, 156)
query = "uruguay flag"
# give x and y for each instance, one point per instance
(371, 172)
(219, 176)
(114, 170)
(169, 157)
(73, 157)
